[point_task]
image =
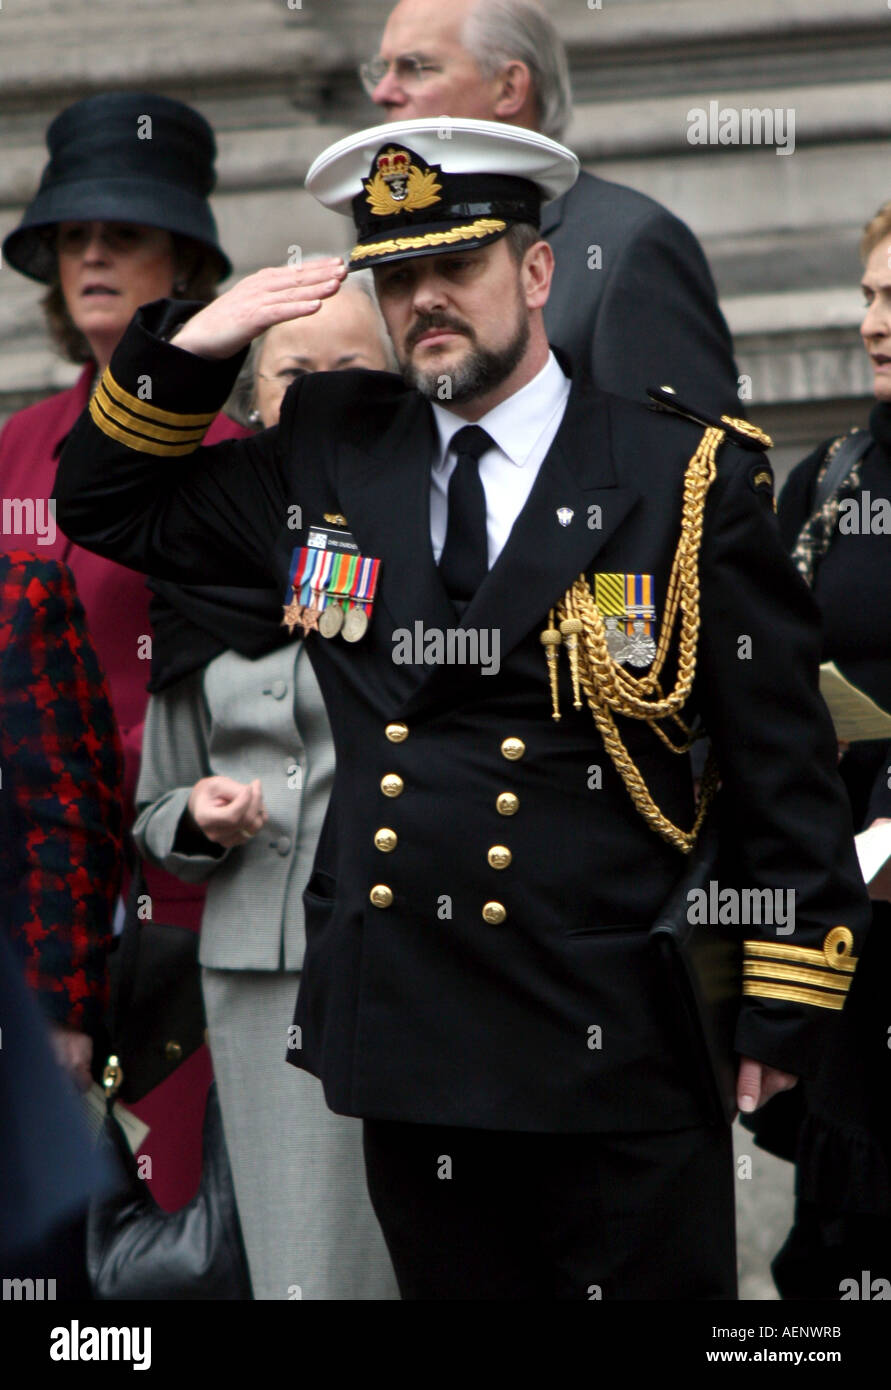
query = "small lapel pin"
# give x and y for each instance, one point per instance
(565, 515)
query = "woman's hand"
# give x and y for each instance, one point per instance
(228, 812)
(271, 296)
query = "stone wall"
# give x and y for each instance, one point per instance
(278, 82)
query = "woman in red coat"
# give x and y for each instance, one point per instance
(120, 218)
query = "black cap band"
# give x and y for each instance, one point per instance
(463, 197)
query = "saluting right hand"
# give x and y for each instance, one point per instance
(270, 296)
(228, 812)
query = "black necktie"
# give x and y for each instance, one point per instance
(464, 562)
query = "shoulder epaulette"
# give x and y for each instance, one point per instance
(740, 431)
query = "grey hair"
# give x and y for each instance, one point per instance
(504, 31)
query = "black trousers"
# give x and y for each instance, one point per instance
(479, 1214)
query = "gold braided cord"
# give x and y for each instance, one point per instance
(483, 226)
(620, 690)
(749, 430)
(610, 690)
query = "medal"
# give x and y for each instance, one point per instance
(331, 621)
(309, 620)
(292, 615)
(626, 602)
(616, 639)
(355, 625)
(332, 585)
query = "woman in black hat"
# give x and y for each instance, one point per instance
(121, 217)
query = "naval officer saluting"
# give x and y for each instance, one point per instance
(479, 985)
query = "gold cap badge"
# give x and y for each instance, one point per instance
(399, 185)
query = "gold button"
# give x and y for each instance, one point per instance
(385, 839)
(507, 804)
(172, 1051)
(392, 784)
(499, 856)
(396, 733)
(381, 895)
(513, 748)
(494, 914)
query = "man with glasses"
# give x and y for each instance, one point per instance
(632, 302)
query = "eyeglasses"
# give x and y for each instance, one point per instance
(285, 376)
(409, 71)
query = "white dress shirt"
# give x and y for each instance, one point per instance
(523, 428)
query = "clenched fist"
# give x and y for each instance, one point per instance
(228, 812)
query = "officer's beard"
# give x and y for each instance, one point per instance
(480, 371)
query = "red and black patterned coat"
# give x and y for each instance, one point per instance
(61, 799)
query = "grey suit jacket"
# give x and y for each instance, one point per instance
(648, 316)
(242, 719)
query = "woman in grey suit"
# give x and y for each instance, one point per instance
(236, 772)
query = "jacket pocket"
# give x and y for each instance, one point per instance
(321, 889)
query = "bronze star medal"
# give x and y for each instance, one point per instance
(292, 616)
(309, 620)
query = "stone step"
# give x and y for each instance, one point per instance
(837, 112)
(55, 54)
(279, 83)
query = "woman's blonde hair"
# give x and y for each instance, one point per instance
(876, 230)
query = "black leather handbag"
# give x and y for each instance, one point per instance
(136, 1250)
(703, 964)
(156, 1013)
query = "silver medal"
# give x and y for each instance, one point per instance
(355, 625)
(331, 621)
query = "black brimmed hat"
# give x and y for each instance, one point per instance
(417, 188)
(109, 164)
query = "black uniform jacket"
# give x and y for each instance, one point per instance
(421, 1010)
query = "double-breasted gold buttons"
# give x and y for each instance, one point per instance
(381, 895)
(499, 856)
(397, 732)
(392, 784)
(507, 804)
(385, 839)
(494, 914)
(513, 748)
